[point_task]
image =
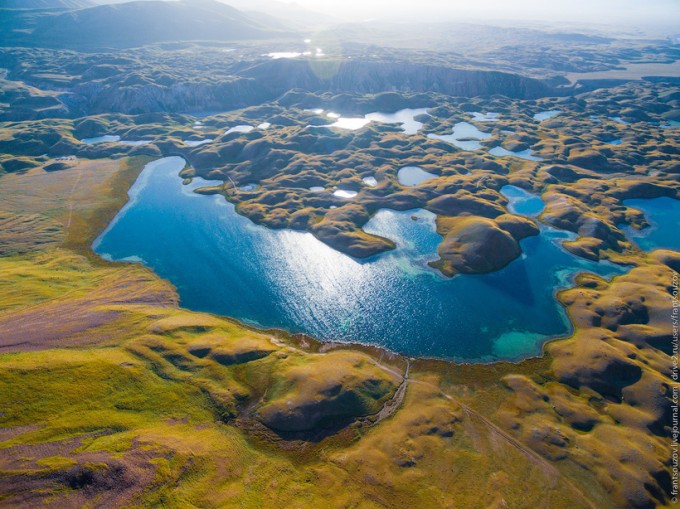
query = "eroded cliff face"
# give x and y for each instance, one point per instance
(144, 97)
(370, 77)
(270, 80)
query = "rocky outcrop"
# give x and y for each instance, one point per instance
(104, 97)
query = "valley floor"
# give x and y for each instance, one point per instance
(114, 396)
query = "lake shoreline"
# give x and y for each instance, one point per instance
(420, 270)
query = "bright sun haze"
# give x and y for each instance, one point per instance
(599, 11)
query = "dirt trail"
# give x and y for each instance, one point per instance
(393, 404)
(71, 203)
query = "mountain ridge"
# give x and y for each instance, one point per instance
(138, 23)
(44, 4)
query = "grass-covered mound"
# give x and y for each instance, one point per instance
(325, 389)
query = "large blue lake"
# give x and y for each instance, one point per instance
(221, 262)
(663, 216)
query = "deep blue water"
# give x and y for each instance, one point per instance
(221, 262)
(663, 215)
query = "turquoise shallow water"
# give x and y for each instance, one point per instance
(663, 215)
(221, 262)
(522, 202)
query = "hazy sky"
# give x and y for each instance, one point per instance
(599, 11)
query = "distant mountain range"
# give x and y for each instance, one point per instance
(138, 23)
(290, 12)
(45, 4)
